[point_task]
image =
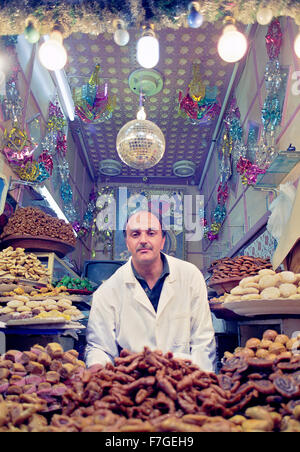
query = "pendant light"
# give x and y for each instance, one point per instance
(232, 45)
(52, 53)
(194, 18)
(297, 45)
(264, 15)
(148, 48)
(121, 35)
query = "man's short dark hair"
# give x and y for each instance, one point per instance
(159, 217)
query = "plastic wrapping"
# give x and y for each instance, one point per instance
(281, 209)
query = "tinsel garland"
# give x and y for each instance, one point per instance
(96, 17)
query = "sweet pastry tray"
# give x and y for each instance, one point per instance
(280, 306)
(44, 322)
(73, 298)
(15, 281)
(48, 321)
(37, 243)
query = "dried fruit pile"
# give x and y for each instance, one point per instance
(149, 391)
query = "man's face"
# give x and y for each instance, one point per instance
(144, 237)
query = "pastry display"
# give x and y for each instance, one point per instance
(36, 293)
(257, 389)
(239, 266)
(266, 285)
(16, 264)
(21, 307)
(34, 222)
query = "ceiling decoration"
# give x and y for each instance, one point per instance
(179, 49)
(88, 28)
(98, 16)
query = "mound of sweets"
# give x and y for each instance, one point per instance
(16, 264)
(33, 221)
(236, 267)
(266, 285)
(149, 391)
(22, 307)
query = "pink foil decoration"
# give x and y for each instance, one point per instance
(188, 105)
(273, 39)
(47, 161)
(222, 193)
(19, 157)
(211, 236)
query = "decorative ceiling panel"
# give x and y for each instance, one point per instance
(179, 49)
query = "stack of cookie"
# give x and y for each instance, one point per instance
(266, 285)
(237, 267)
(22, 307)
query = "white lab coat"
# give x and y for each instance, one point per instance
(122, 315)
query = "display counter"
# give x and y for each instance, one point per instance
(254, 325)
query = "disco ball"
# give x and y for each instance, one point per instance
(140, 144)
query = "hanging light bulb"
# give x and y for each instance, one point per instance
(297, 45)
(232, 45)
(52, 53)
(141, 114)
(148, 48)
(121, 35)
(195, 18)
(264, 15)
(31, 33)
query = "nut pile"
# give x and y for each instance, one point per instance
(21, 307)
(267, 285)
(34, 222)
(237, 267)
(16, 264)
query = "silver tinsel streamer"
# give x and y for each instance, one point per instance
(270, 114)
(12, 103)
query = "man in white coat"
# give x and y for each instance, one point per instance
(153, 300)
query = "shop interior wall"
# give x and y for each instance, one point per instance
(247, 208)
(82, 186)
(36, 89)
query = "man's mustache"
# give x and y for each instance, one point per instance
(140, 247)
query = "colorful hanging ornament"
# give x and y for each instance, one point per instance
(29, 172)
(225, 158)
(249, 171)
(47, 161)
(271, 113)
(61, 144)
(18, 147)
(220, 214)
(11, 102)
(235, 132)
(56, 120)
(200, 104)
(222, 193)
(274, 39)
(92, 102)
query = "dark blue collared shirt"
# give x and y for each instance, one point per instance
(154, 293)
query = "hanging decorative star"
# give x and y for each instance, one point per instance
(92, 102)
